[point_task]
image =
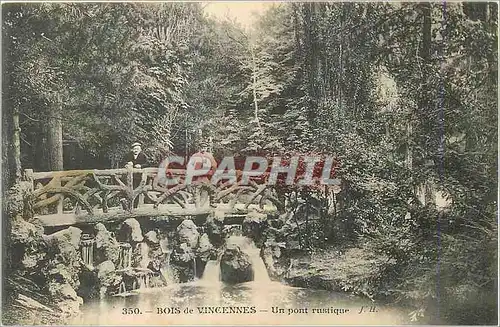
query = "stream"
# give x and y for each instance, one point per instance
(266, 298)
(209, 301)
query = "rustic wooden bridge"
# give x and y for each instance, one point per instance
(61, 198)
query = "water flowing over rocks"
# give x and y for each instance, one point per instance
(73, 265)
(107, 280)
(140, 255)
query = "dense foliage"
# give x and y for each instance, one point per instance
(403, 95)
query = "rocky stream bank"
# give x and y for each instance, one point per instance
(54, 272)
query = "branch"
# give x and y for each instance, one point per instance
(32, 119)
(22, 139)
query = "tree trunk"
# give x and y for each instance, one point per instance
(54, 139)
(254, 86)
(16, 145)
(54, 147)
(340, 67)
(7, 174)
(425, 50)
(11, 174)
(424, 101)
(7, 178)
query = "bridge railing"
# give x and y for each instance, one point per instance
(83, 192)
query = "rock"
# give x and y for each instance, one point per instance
(66, 240)
(65, 297)
(64, 274)
(130, 231)
(276, 264)
(182, 254)
(182, 262)
(187, 232)
(63, 248)
(30, 303)
(108, 280)
(254, 225)
(74, 235)
(18, 200)
(154, 265)
(236, 266)
(27, 244)
(156, 281)
(25, 232)
(31, 261)
(205, 248)
(232, 230)
(158, 253)
(204, 244)
(214, 227)
(106, 246)
(62, 291)
(28, 248)
(105, 268)
(70, 307)
(63, 261)
(110, 285)
(151, 237)
(157, 257)
(89, 285)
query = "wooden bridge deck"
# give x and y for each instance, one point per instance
(167, 211)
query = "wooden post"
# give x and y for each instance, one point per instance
(144, 178)
(130, 187)
(104, 203)
(60, 201)
(43, 210)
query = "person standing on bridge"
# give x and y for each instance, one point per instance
(203, 158)
(136, 158)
